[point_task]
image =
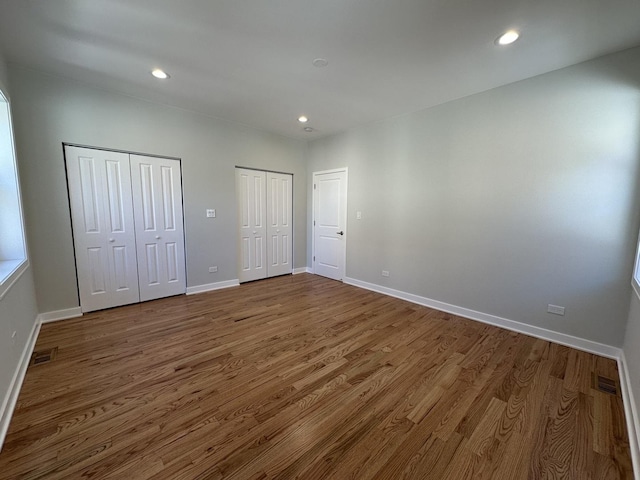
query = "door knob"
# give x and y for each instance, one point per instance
(340, 232)
(111, 240)
(157, 237)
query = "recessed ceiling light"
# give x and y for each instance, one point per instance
(308, 129)
(507, 38)
(320, 62)
(158, 73)
(303, 119)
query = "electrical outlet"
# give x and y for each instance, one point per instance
(358, 215)
(211, 213)
(385, 273)
(555, 309)
(213, 269)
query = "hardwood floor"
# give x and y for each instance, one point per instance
(304, 377)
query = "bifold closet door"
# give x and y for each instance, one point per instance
(265, 213)
(157, 200)
(251, 195)
(279, 224)
(103, 227)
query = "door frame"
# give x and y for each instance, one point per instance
(313, 215)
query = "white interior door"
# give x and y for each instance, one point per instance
(250, 191)
(157, 200)
(279, 224)
(329, 223)
(103, 227)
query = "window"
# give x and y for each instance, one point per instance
(635, 281)
(13, 252)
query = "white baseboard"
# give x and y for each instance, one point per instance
(212, 286)
(630, 413)
(11, 398)
(538, 332)
(60, 315)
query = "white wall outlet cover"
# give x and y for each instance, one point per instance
(211, 213)
(555, 309)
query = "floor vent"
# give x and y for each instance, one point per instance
(43, 356)
(604, 384)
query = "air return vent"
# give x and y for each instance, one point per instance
(605, 385)
(43, 356)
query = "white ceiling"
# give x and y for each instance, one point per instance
(250, 61)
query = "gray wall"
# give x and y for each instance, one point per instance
(632, 351)
(505, 201)
(17, 308)
(50, 110)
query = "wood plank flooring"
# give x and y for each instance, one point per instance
(304, 377)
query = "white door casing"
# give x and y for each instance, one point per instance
(250, 192)
(103, 227)
(279, 224)
(330, 223)
(157, 200)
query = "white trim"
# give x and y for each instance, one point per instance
(11, 398)
(12, 277)
(10, 280)
(331, 170)
(56, 315)
(628, 400)
(296, 271)
(538, 332)
(636, 270)
(630, 413)
(212, 286)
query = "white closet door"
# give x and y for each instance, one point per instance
(250, 191)
(279, 220)
(157, 199)
(103, 227)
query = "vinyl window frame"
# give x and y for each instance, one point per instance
(14, 260)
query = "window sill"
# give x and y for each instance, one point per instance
(10, 272)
